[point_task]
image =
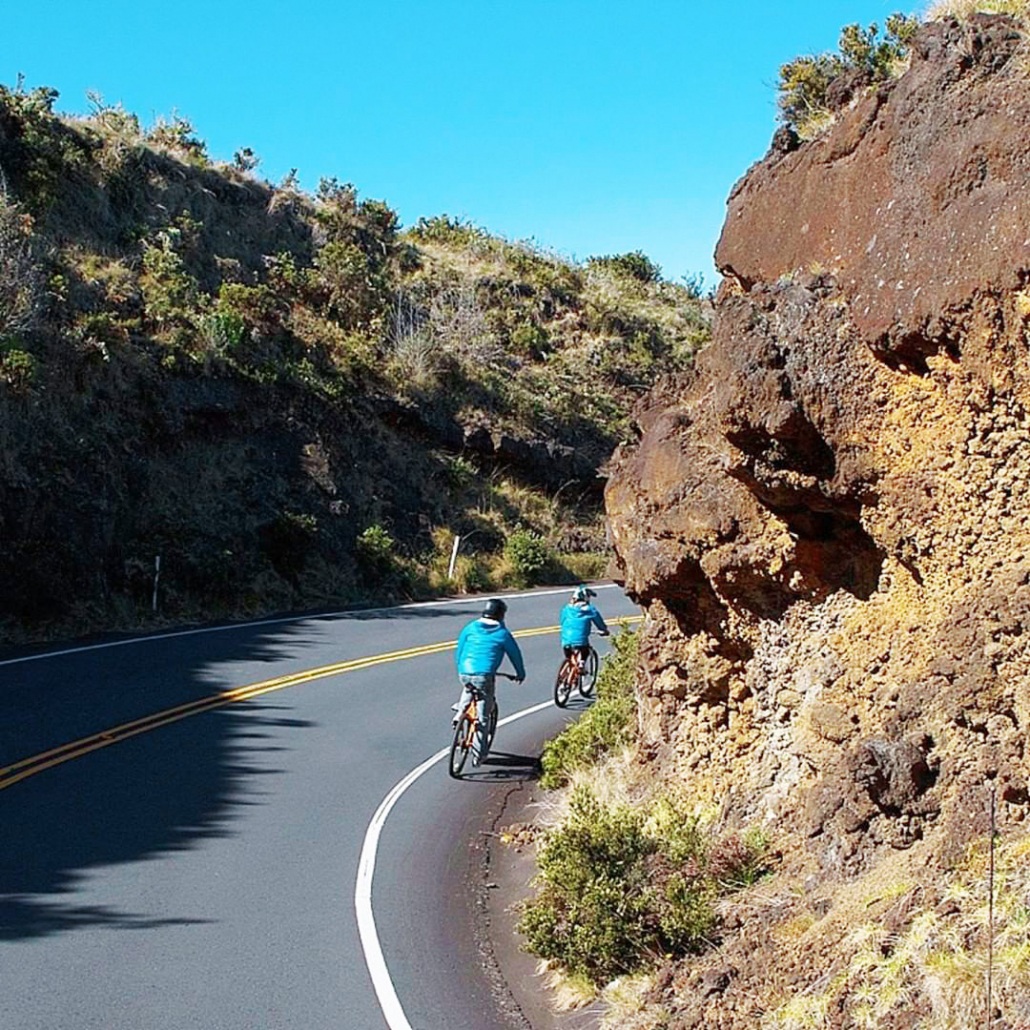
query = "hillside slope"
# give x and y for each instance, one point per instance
(828, 524)
(286, 398)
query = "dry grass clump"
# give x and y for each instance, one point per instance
(939, 963)
(629, 1004)
(965, 9)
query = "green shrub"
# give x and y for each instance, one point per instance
(528, 554)
(445, 229)
(587, 916)
(621, 884)
(245, 160)
(224, 330)
(17, 366)
(375, 547)
(170, 293)
(609, 898)
(805, 82)
(608, 723)
(177, 134)
(530, 339)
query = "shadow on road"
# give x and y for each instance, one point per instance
(155, 794)
(502, 766)
(145, 797)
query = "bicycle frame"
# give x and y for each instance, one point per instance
(467, 729)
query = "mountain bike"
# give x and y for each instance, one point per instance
(466, 731)
(576, 673)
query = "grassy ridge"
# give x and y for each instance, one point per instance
(288, 397)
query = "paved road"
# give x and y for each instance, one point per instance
(202, 873)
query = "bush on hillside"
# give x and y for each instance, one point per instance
(528, 555)
(804, 85)
(634, 265)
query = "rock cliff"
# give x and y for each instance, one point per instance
(828, 525)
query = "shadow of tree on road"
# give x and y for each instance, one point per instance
(153, 794)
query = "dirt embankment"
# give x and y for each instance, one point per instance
(829, 524)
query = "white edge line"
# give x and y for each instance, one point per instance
(287, 618)
(374, 960)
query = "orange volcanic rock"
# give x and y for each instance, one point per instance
(829, 521)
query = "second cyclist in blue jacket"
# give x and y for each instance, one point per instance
(578, 618)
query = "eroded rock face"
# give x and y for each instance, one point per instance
(829, 522)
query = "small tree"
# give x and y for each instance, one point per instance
(805, 82)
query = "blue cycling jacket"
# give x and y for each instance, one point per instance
(576, 620)
(482, 646)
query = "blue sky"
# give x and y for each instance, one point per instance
(589, 127)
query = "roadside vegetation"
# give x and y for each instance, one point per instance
(942, 956)
(606, 727)
(288, 398)
(630, 873)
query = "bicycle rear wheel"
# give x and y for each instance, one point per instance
(492, 726)
(563, 684)
(588, 680)
(460, 746)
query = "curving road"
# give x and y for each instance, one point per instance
(191, 860)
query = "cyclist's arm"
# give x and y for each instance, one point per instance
(460, 649)
(599, 622)
(511, 649)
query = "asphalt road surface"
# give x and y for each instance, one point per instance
(191, 860)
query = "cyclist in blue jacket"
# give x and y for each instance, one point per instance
(482, 645)
(578, 617)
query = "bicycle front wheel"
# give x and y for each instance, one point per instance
(563, 684)
(589, 678)
(460, 746)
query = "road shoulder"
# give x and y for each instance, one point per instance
(506, 874)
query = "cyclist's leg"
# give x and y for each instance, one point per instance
(482, 745)
(466, 696)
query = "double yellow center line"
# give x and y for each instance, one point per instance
(27, 767)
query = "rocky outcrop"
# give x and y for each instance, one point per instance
(828, 523)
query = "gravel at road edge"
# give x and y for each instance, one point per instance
(503, 874)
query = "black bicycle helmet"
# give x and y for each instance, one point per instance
(494, 609)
